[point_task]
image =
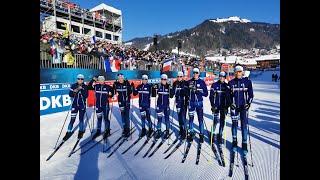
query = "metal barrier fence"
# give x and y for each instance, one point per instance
(84, 61)
(81, 61)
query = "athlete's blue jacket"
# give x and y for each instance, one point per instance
(220, 95)
(164, 92)
(180, 93)
(144, 91)
(201, 89)
(124, 91)
(80, 97)
(102, 93)
(241, 91)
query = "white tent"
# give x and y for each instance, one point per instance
(103, 6)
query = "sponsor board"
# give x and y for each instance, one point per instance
(54, 98)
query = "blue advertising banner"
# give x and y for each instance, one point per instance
(54, 98)
(55, 84)
(60, 75)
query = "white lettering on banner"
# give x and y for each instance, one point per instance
(44, 103)
(55, 86)
(42, 87)
(65, 85)
(66, 100)
(55, 101)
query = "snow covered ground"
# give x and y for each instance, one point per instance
(264, 120)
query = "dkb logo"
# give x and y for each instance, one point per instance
(54, 102)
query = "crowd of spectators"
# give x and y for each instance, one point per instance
(61, 45)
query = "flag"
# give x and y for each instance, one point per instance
(167, 65)
(66, 32)
(111, 64)
(116, 66)
(93, 40)
(107, 65)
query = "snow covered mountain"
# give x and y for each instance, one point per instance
(232, 18)
(214, 34)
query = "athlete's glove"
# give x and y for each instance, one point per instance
(233, 106)
(247, 106)
(213, 109)
(226, 110)
(192, 87)
(155, 86)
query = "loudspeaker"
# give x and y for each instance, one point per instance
(155, 40)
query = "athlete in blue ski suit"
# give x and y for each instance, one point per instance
(196, 88)
(181, 100)
(124, 90)
(79, 93)
(241, 99)
(144, 91)
(220, 101)
(164, 91)
(102, 93)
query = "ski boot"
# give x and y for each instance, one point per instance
(166, 134)
(191, 136)
(219, 140)
(150, 132)
(213, 138)
(158, 134)
(183, 134)
(201, 138)
(143, 132)
(234, 145)
(67, 136)
(106, 133)
(98, 132)
(126, 132)
(80, 134)
(245, 148)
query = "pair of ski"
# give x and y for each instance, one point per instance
(187, 151)
(159, 145)
(155, 140)
(57, 148)
(218, 154)
(124, 139)
(152, 145)
(95, 144)
(175, 148)
(245, 164)
(136, 141)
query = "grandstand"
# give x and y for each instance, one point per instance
(103, 21)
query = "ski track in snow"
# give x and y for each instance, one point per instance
(264, 120)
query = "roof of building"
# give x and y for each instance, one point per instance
(103, 6)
